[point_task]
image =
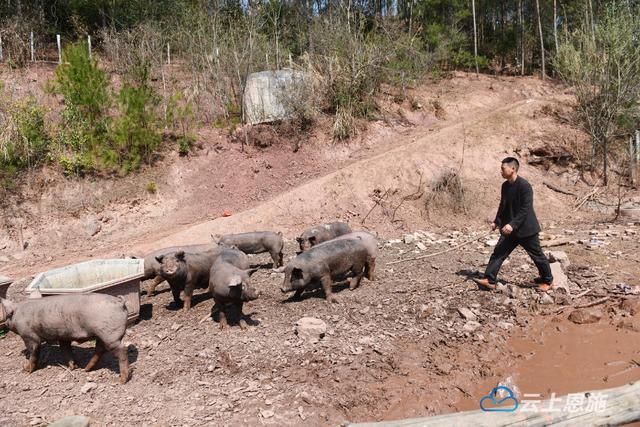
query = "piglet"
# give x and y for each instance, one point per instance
(230, 286)
(321, 233)
(67, 318)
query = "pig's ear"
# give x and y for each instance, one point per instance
(180, 255)
(235, 282)
(159, 258)
(296, 273)
(8, 306)
(251, 271)
(312, 240)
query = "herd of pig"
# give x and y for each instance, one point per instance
(328, 252)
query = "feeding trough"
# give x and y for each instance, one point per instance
(107, 276)
(5, 282)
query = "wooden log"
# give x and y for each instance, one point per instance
(559, 190)
(555, 242)
(608, 407)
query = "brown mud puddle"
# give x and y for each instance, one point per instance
(557, 356)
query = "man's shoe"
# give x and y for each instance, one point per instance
(485, 284)
(545, 287)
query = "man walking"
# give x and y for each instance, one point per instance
(518, 225)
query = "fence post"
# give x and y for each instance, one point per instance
(33, 54)
(59, 49)
(290, 62)
(168, 55)
(89, 45)
(1, 48)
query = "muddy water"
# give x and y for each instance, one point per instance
(557, 356)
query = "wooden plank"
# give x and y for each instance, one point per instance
(621, 406)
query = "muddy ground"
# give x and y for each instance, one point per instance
(394, 348)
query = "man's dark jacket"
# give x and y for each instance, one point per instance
(516, 208)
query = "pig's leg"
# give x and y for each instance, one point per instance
(188, 292)
(151, 290)
(65, 346)
(297, 294)
(241, 322)
(358, 270)
(176, 295)
(370, 268)
(223, 317)
(33, 348)
(123, 361)
(276, 257)
(99, 351)
(327, 283)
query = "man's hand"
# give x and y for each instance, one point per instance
(506, 230)
(493, 226)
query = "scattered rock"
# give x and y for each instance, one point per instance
(88, 387)
(512, 291)
(559, 256)
(176, 326)
(93, 227)
(311, 329)
(630, 306)
(505, 325)
(421, 246)
(631, 324)
(467, 314)
(561, 298)
(409, 238)
(471, 326)
(71, 421)
(545, 299)
(267, 413)
(583, 316)
(560, 279)
(491, 243)
(4, 259)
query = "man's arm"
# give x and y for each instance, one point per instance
(526, 198)
(498, 221)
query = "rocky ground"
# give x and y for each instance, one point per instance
(419, 340)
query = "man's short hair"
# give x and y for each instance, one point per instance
(513, 162)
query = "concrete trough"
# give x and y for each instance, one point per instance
(107, 276)
(5, 282)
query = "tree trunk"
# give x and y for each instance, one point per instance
(605, 160)
(542, 60)
(555, 23)
(475, 37)
(521, 37)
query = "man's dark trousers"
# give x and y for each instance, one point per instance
(507, 244)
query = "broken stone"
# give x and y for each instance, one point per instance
(558, 256)
(176, 326)
(409, 238)
(467, 314)
(491, 243)
(421, 246)
(560, 279)
(267, 413)
(584, 316)
(512, 291)
(545, 299)
(311, 329)
(630, 232)
(4, 259)
(471, 326)
(265, 93)
(88, 387)
(93, 227)
(505, 325)
(71, 421)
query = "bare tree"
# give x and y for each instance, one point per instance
(603, 65)
(475, 36)
(542, 60)
(555, 23)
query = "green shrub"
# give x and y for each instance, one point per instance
(136, 133)
(24, 139)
